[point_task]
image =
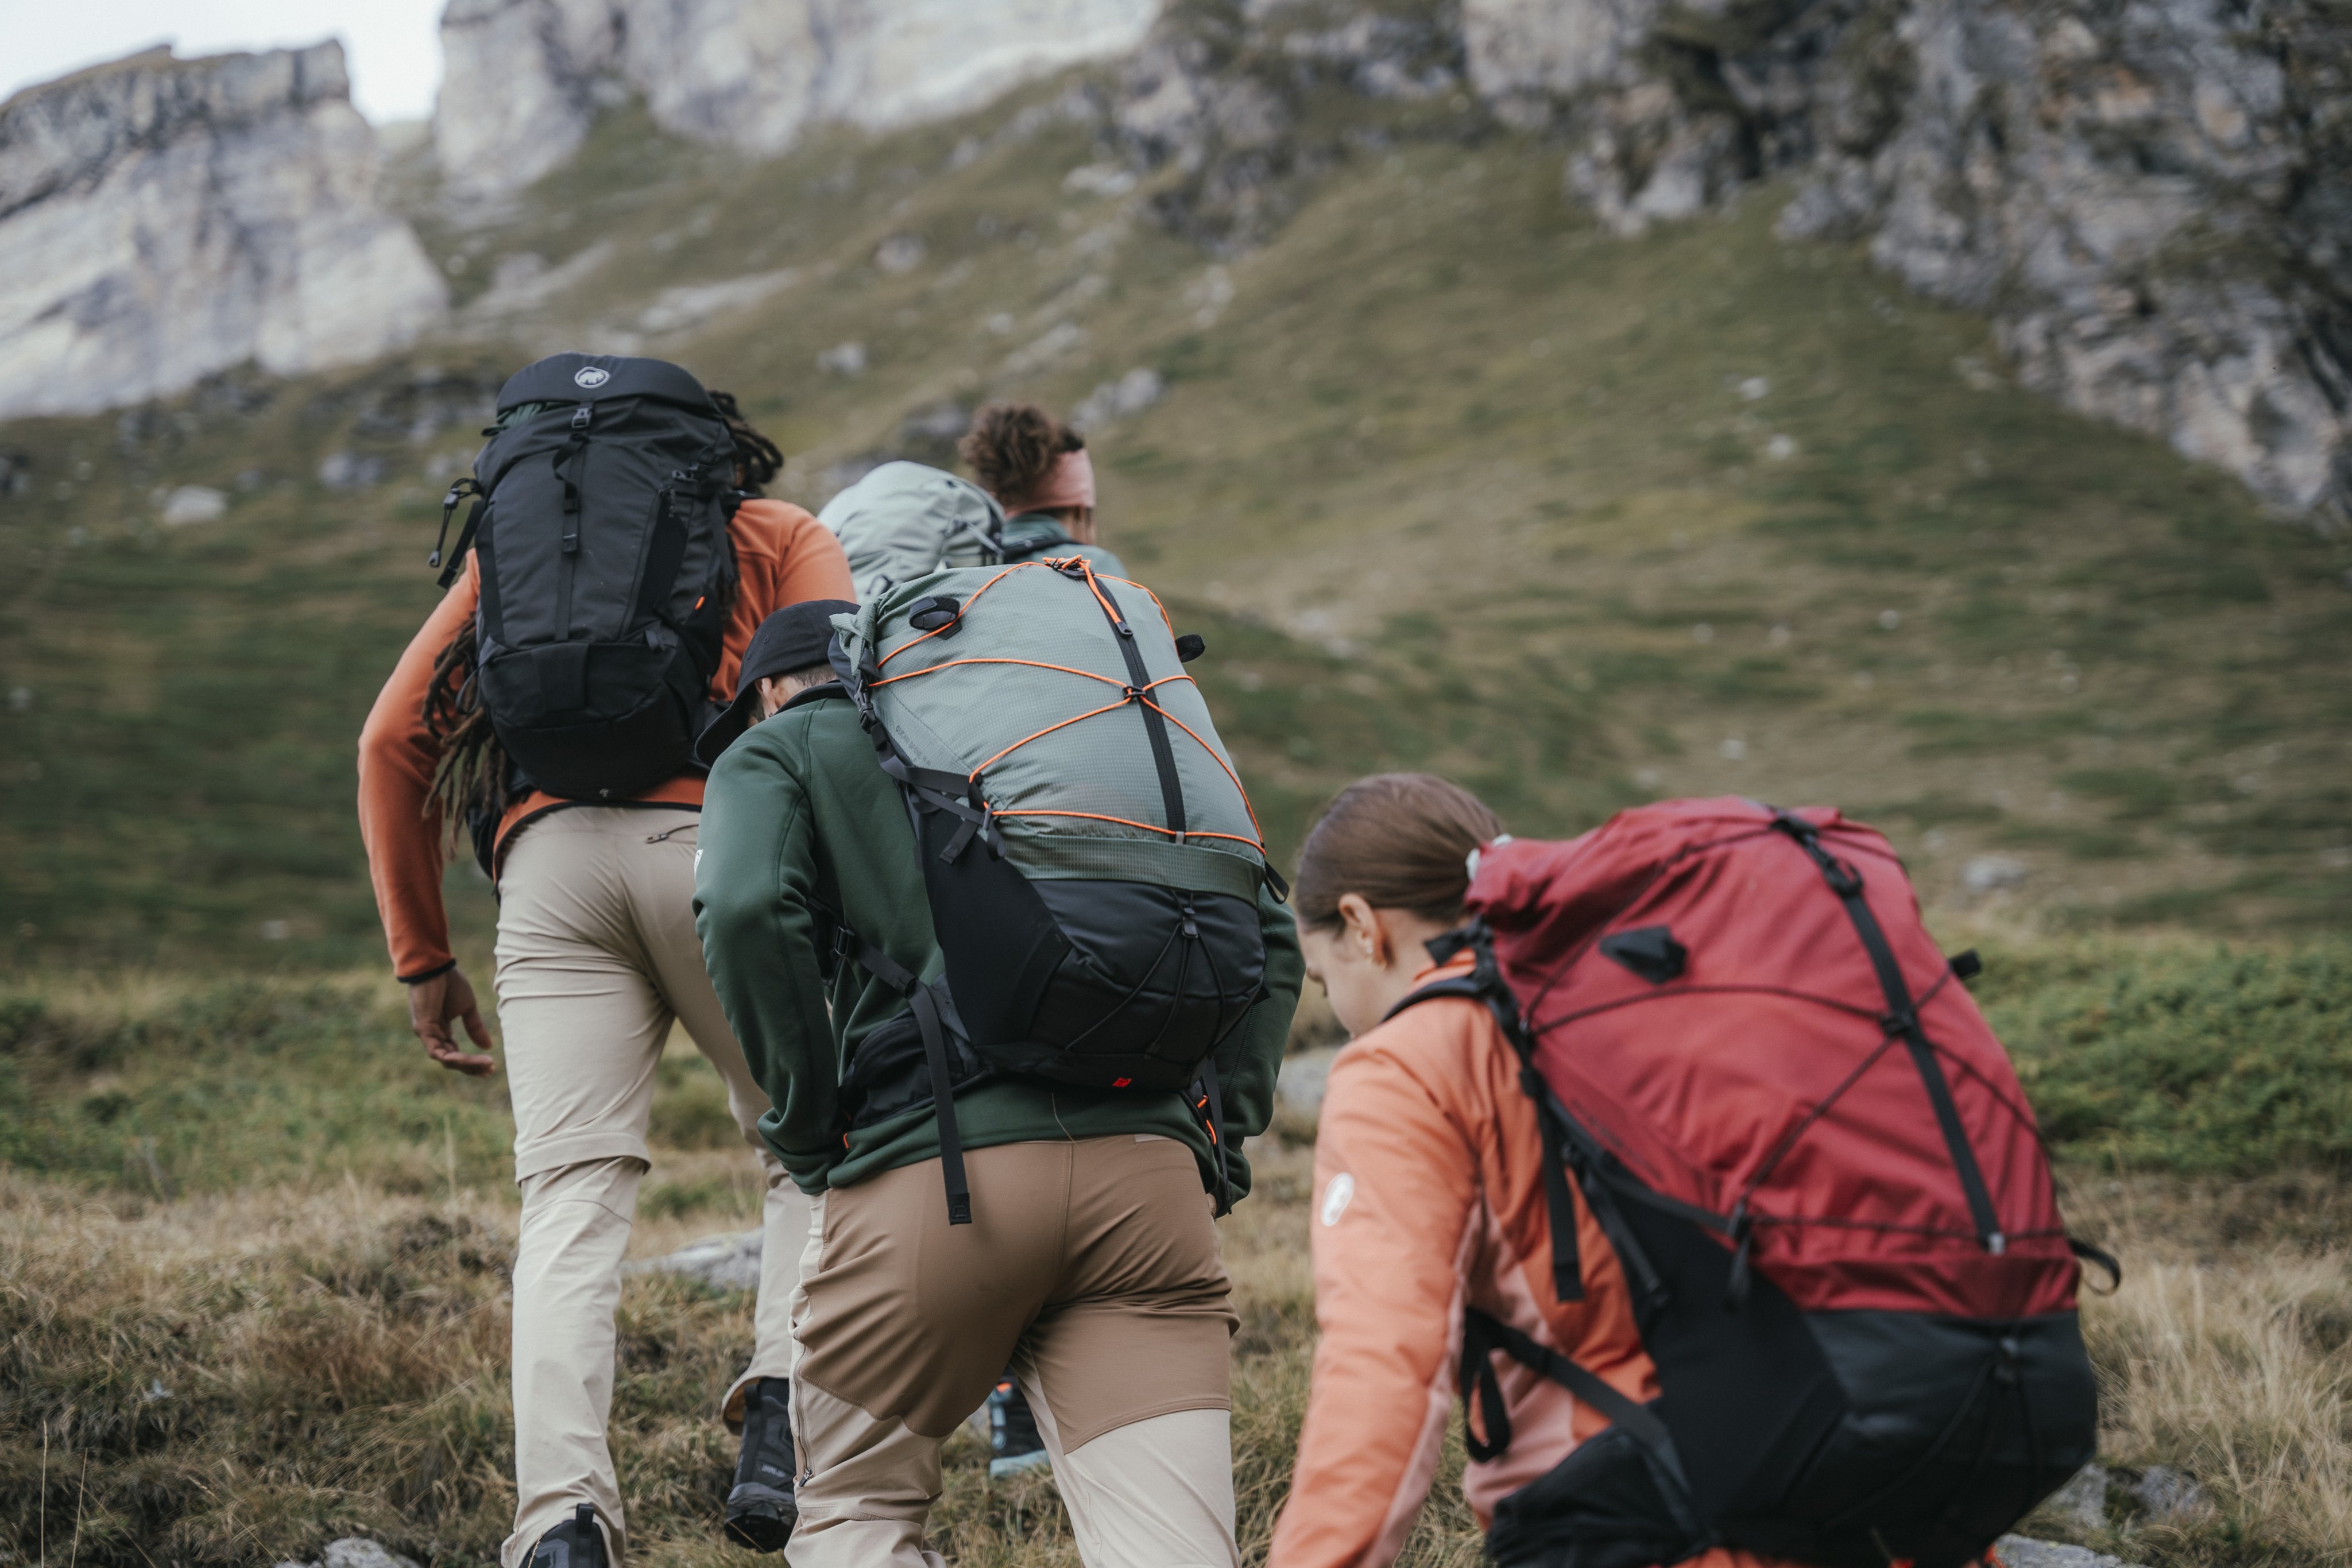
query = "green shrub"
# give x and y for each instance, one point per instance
(2173, 1056)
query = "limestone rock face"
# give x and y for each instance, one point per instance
(524, 78)
(1523, 53)
(2152, 200)
(2131, 193)
(163, 219)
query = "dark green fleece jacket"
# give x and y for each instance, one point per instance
(798, 818)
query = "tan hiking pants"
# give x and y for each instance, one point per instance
(596, 957)
(1092, 1268)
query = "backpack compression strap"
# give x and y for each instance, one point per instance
(466, 486)
(1485, 984)
(926, 1005)
(1902, 1018)
(1211, 1107)
(1163, 753)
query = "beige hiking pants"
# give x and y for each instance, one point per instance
(1092, 1268)
(596, 957)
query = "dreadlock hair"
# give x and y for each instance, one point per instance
(470, 780)
(757, 458)
(1012, 446)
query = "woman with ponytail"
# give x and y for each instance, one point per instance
(1428, 1198)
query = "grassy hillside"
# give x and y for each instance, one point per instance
(252, 1256)
(1449, 478)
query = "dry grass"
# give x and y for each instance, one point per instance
(2224, 1353)
(239, 1377)
(286, 1319)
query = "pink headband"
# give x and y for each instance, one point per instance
(1070, 482)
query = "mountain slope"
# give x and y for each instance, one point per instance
(1450, 476)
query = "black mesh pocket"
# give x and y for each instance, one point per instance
(1602, 1506)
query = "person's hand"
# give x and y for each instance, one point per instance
(433, 1004)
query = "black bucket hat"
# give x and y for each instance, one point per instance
(794, 638)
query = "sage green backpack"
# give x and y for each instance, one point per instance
(906, 520)
(1092, 861)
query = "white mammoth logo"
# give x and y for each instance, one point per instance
(591, 376)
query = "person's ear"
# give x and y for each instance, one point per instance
(1361, 934)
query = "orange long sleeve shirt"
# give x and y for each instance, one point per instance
(782, 555)
(1429, 1198)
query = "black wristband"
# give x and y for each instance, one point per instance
(434, 973)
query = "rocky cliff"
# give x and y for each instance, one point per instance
(161, 219)
(2151, 198)
(524, 78)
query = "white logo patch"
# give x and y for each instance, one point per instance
(1335, 1198)
(591, 376)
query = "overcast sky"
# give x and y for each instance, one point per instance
(393, 46)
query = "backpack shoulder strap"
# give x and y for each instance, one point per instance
(1485, 984)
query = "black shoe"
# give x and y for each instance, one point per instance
(1013, 1433)
(574, 1544)
(760, 1510)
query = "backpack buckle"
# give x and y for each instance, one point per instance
(582, 415)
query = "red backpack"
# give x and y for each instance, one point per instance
(1820, 1178)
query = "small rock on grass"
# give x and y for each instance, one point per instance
(355, 1551)
(2025, 1551)
(2170, 1495)
(2082, 1501)
(1299, 1084)
(727, 1262)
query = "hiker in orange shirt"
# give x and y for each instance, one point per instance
(597, 955)
(1470, 1237)
(1428, 1192)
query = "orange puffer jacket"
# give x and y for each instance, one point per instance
(1429, 1198)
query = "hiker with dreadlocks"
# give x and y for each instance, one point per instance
(621, 557)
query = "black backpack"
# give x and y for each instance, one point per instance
(600, 525)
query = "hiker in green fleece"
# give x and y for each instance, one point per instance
(1091, 1262)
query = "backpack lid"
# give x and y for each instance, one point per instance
(585, 378)
(903, 491)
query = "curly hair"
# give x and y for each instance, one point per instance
(1012, 446)
(757, 458)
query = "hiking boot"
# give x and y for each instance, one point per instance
(1013, 1433)
(760, 1510)
(574, 1544)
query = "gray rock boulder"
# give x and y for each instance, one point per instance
(163, 219)
(727, 1262)
(356, 1551)
(525, 79)
(1298, 1086)
(2082, 1502)
(2025, 1551)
